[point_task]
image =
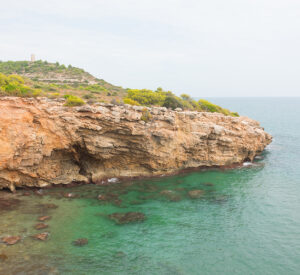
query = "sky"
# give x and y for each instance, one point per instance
(215, 48)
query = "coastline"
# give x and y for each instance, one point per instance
(44, 143)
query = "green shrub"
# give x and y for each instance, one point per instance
(13, 85)
(88, 96)
(210, 107)
(146, 116)
(173, 102)
(146, 97)
(72, 100)
(131, 101)
(54, 95)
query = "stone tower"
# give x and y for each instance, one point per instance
(32, 58)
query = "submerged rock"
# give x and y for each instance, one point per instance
(208, 184)
(80, 242)
(41, 236)
(10, 240)
(110, 197)
(108, 235)
(39, 192)
(44, 218)
(50, 205)
(171, 195)
(196, 194)
(135, 202)
(220, 199)
(129, 217)
(120, 254)
(3, 257)
(69, 195)
(40, 226)
(9, 203)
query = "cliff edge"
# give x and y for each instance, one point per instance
(43, 143)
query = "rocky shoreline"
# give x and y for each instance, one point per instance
(43, 143)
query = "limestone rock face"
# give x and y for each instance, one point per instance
(44, 143)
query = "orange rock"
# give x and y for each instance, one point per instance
(39, 226)
(44, 218)
(10, 240)
(41, 236)
(43, 143)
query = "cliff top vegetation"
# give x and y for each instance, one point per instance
(53, 80)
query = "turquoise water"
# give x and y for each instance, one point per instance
(247, 221)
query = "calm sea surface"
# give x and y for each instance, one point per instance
(247, 221)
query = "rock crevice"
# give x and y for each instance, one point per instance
(44, 143)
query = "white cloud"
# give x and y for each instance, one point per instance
(221, 47)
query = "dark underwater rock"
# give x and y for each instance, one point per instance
(110, 197)
(108, 235)
(69, 195)
(40, 226)
(44, 218)
(3, 257)
(39, 192)
(50, 205)
(129, 217)
(208, 184)
(170, 195)
(80, 242)
(41, 236)
(120, 254)
(9, 203)
(220, 199)
(196, 194)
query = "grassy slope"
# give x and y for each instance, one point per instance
(42, 78)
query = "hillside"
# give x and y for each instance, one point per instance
(54, 80)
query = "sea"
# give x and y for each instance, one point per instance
(246, 221)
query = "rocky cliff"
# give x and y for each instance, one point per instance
(43, 143)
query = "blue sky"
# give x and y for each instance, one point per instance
(204, 48)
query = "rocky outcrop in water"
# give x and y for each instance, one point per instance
(43, 143)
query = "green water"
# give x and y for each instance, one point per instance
(247, 222)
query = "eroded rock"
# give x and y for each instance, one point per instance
(43, 143)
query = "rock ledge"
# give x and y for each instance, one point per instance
(43, 143)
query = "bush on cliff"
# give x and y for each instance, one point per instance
(72, 100)
(210, 107)
(131, 101)
(169, 100)
(146, 97)
(13, 85)
(146, 116)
